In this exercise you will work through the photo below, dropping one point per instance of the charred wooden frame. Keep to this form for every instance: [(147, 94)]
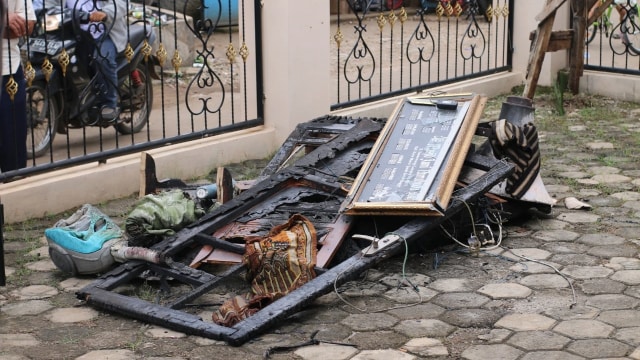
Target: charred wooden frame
[(319, 173)]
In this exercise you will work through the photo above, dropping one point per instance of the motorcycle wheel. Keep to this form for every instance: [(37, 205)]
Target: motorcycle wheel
[(42, 119), (136, 101)]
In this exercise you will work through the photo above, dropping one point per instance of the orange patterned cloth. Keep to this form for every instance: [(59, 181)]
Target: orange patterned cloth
[(276, 264)]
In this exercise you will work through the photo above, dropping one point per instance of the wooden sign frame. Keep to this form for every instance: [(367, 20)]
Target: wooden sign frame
[(415, 162)]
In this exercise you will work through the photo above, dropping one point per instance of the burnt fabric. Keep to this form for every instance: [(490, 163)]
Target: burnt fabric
[(520, 146), (277, 264)]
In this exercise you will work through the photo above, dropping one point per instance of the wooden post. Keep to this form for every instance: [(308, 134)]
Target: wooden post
[(538, 51), (3, 276), (576, 54)]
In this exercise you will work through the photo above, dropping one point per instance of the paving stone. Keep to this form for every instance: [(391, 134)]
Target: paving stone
[(18, 340), (629, 277), (590, 182), (625, 250), (13, 357), (556, 235), (493, 352), (425, 347), (424, 328), (628, 335), (603, 201), (548, 224), (560, 248), (505, 291), (629, 233), (535, 254), (598, 348), (420, 311), (525, 322), (470, 318), (602, 170), (326, 351), (162, 333), (115, 354), (538, 340), (396, 279), (578, 218), (600, 145), (384, 339), (73, 284), (460, 300), (613, 301), (611, 178), (588, 193), (544, 281), (406, 295), (601, 286), (29, 307), (633, 291), (551, 355), (573, 174), (369, 322), (620, 318), (531, 267), (577, 259), (453, 285), (9, 271), (555, 188), (586, 272), (611, 211), (624, 263), (383, 355), (41, 265), (633, 205), (584, 329), (495, 336), (72, 315), (202, 341), (572, 312), (601, 239), (34, 292), (364, 289), (43, 251)]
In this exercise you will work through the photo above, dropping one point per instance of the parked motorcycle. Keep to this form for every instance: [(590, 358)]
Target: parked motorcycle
[(62, 95)]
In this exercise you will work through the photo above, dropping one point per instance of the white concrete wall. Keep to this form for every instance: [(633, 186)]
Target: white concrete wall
[(296, 61), (524, 13), (296, 89)]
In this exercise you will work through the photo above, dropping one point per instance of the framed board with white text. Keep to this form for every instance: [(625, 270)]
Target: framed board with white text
[(415, 162)]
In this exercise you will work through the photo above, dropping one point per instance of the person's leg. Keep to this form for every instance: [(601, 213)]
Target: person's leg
[(13, 126), (105, 58)]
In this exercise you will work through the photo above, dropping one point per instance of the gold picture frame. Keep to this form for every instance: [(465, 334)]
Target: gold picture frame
[(413, 167)]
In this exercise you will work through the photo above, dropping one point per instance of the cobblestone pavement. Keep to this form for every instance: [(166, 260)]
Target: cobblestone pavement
[(565, 286)]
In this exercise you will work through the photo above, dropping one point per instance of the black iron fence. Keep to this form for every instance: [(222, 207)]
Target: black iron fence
[(396, 47), (612, 42), (189, 70)]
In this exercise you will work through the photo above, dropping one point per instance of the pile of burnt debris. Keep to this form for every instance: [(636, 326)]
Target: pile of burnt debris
[(342, 195)]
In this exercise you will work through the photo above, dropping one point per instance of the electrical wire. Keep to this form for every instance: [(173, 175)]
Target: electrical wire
[(404, 279), (573, 290)]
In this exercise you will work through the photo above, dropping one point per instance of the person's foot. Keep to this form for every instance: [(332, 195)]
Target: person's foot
[(109, 114)]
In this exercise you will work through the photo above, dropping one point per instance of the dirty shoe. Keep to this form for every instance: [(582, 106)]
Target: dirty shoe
[(109, 114)]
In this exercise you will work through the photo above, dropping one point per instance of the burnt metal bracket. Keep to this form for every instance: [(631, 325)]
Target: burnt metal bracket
[(377, 244)]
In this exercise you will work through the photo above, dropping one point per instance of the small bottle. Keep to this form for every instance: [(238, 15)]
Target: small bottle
[(207, 191)]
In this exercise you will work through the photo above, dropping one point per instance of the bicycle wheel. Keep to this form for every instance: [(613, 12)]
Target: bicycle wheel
[(631, 32), (590, 34)]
